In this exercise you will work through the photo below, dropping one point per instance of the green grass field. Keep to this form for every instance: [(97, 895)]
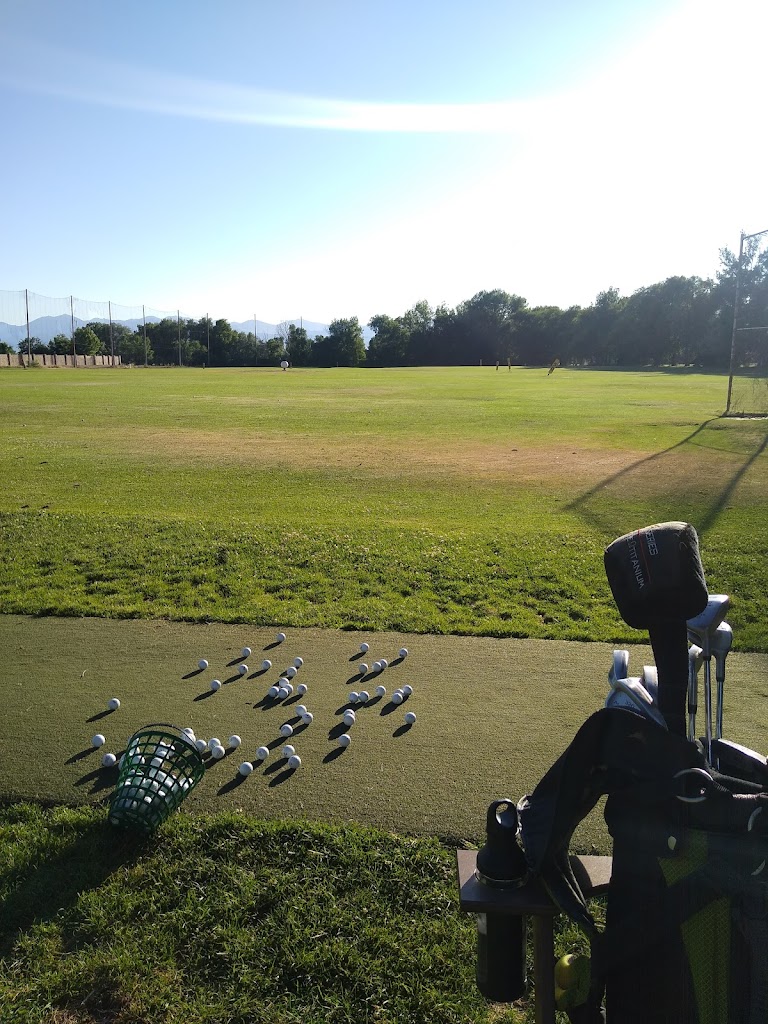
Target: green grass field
[(399, 506), (459, 500)]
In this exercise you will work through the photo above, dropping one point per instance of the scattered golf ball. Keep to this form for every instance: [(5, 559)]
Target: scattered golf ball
[(234, 741), (397, 697), (364, 648), (307, 718), (108, 760), (407, 690), (403, 652), (202, 663), (215, 684), (214, 741), (291, 672), (410, 717), (218, 752), (345, 739), (266, 664), (298, 662), (283, 692), (301, 709), (243, 670), (384, 663), (97, 740), (349, 718), (288, 750), (376, 666), (362, 668), (289, 688), (246, 652), (262, 753), (201, 745), (381, 691), (273, 691), (354, 696), (286, 730), (364, 697), (245, 768), (114, 704), (279, 638), (301, 689), (294, 761)]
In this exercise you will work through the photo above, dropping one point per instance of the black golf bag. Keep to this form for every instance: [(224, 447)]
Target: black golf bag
[(686, 936)]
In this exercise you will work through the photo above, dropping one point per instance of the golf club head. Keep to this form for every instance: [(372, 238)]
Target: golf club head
[(720, 644), (631, 695), (701, 627), (620, 667), (740, 762)]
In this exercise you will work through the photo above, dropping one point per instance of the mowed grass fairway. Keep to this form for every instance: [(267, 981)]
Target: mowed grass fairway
[(460, 500)]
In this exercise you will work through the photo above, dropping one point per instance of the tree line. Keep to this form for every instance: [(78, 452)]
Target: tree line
[(682, 320)]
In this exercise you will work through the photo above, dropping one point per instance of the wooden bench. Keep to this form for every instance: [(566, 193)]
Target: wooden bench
[(531, 900)]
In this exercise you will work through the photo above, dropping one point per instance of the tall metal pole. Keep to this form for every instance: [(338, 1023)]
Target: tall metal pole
[(111, 337), (72, 321), (178, 324), (29, 342), (208, 336), (734, 330), (144, 319)]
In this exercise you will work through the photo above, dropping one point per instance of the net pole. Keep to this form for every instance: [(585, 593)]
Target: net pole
[(178, 325), (733, 328), (111, 337), (144, 319), (72, 321), (29, 341), (208, 336)]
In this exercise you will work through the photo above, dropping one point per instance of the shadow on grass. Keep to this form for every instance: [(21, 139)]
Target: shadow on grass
[(277, 765), (195, 672), (388, 709), (257, 673), (357, 678), (333, 754), (336, 730), (99, 779), (273, 645), (53, 880), (101, 714), (80, 755), (401, 730), (205, 695), (284, 775), (233, 783)]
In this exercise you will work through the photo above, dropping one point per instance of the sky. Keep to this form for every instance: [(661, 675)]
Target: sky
[(332, 158)]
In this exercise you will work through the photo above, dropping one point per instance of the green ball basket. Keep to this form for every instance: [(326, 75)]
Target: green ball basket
[(159, 769)]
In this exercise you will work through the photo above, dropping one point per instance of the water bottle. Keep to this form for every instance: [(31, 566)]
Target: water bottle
[(501, 938)]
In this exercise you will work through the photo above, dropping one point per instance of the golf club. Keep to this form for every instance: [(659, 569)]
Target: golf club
[(695, 660), (721, 645), (701, 630)]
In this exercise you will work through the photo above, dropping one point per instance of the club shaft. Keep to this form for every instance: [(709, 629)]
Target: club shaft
[(708, 708)]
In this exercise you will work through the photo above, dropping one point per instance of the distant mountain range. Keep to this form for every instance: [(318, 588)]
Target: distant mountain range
[(47, 327)]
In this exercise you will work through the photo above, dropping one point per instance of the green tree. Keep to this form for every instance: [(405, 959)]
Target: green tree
[(489, 322), (346, 342), (390, 343), (60, 345), (298, 347), (6, 348), (87, 343)]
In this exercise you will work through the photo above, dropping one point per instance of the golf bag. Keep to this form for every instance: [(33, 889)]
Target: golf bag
[(686, 935)]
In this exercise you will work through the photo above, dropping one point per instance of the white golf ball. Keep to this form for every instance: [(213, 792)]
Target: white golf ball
[(294, 761), (108, 760), (301, 689), (301, 709), (97, 740), (381, 691), (364, 697), (266, 664), (410, 717), (121, 762), (291, 672), (307, 718), (157, 762), (215, 684), (349, 718), (384, 663), (243, 670), (214, 741), (262, 753), (201, 745), (218, 752), (298, 662), (245, 768), (362, 668), (289, 688), (403, 652), (286, 730), (407, 690), (397, 697), (283, 692), (345, 739), (246, 652), (234, 741), (279, 638), (189, 733), (273, 691), (288, 750), (376, 666), (202, 663), (114, 704), (364, 648), (354, 696)]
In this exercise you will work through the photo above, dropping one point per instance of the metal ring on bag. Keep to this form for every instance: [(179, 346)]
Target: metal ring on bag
[(693, 771), (750, 823)]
